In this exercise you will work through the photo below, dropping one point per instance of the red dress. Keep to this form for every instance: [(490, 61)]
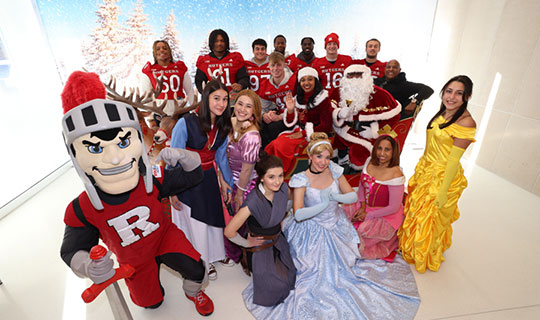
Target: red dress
[(320, 118)]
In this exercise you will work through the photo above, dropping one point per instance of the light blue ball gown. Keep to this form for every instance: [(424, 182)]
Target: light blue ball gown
[(332, 280)]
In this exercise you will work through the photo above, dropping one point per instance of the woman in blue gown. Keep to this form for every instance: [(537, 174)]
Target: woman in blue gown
[(332, 281)]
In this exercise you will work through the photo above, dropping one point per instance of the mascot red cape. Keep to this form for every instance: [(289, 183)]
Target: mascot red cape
[(362, 110), (121, 204)]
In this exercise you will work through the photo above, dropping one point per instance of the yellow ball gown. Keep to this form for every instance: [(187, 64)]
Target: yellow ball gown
[(426, 231)]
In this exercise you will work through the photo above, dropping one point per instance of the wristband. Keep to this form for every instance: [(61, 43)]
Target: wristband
[(240, 188)]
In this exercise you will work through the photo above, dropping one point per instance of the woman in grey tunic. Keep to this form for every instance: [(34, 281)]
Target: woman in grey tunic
[(265, 207)]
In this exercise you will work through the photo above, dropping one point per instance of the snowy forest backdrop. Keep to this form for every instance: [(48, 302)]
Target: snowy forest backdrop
[(114, 37)]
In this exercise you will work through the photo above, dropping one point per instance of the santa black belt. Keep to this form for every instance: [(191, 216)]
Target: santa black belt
[(357, 125)]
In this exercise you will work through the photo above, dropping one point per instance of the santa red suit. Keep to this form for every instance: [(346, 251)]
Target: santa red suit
[(377, 67), (176, 81), (357, 123), (257, 73), (331, 73)]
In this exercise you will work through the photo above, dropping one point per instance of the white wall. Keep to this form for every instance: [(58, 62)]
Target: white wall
[(480, 38), (30, 129)]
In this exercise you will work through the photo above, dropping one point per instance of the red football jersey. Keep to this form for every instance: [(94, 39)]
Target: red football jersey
[(257, 74), (330, 73), (377, 68), (173, 77), (296, 64), (277, 95), (230, 64)]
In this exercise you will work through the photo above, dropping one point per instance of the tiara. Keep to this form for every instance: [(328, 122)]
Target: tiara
[(387, 131)]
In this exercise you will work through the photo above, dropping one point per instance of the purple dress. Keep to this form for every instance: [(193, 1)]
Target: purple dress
[(245, 150)]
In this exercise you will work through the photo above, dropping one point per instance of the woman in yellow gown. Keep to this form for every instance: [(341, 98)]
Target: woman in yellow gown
[(438, 180)]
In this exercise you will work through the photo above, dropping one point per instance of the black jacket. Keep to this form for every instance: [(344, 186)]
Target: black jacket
[(402, 90)]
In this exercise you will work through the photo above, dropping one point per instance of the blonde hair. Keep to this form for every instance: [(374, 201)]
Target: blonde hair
[(276, 57), (319, 137)]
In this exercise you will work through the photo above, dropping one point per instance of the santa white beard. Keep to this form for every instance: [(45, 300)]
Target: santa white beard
[(358, 90)]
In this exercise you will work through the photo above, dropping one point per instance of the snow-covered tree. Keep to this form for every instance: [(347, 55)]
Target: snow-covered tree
[(171, 36), (101, 53), (356, 51), (136, 46), (233, 45)]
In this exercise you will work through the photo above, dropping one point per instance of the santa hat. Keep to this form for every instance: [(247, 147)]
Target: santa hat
[(307, 71), (357, 68), (331, 38), (86, 110)]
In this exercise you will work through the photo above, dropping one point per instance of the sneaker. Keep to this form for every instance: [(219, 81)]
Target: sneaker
[(203, 304), (212, 273), (228, 262)]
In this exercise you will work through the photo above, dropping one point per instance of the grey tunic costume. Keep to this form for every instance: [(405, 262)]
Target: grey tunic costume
[(274, 273)]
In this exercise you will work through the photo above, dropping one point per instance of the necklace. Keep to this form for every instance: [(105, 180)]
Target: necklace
[(314, 172)]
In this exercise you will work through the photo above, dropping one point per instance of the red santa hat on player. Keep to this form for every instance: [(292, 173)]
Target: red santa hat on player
[(333, 37), (86, 110)]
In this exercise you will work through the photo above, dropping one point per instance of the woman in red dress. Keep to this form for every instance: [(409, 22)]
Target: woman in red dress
[(310, 111)]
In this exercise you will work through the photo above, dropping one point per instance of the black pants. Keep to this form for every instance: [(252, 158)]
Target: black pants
[(270, 131), (185, 265)]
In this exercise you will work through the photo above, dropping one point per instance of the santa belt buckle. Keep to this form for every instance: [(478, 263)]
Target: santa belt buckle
[(357, 125)]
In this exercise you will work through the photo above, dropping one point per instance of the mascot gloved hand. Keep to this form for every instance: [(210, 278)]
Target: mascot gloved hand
[(98, 271), (189, 160)]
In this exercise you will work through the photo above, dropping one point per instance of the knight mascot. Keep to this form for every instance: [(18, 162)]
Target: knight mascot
[(121, 202), (362, 110)]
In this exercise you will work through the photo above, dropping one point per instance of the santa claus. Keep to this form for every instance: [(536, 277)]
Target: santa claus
[(362, 110)]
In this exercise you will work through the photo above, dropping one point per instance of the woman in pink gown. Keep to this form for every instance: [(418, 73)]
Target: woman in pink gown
[(378, 214)]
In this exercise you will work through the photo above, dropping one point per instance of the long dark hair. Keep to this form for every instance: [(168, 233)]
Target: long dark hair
[(468, 84), (394, 161), (213, 37), (223, 122), (300, 94)]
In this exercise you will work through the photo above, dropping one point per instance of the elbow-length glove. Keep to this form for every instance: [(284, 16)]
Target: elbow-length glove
[(450, 171), (347, 198), (309, 212)]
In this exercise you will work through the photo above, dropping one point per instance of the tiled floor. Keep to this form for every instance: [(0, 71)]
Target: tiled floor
[(489, 271)]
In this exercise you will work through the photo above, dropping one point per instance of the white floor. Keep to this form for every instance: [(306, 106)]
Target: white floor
[(489, 271)]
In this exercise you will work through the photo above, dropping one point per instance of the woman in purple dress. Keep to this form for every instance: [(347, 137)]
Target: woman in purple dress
[(243, 153)]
